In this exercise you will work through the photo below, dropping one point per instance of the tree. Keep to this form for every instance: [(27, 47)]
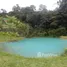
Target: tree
[(62, 5), (3, 12), (42, 8), (62, 11), (33, 7), (16, 8)]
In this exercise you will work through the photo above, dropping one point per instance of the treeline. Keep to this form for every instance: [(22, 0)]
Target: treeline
[(27, 21)]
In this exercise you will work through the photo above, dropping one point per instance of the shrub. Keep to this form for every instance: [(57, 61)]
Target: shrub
[(12, 24), (65, 52)]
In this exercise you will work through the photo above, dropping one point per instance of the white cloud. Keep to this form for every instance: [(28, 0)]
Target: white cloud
[(8, 4)]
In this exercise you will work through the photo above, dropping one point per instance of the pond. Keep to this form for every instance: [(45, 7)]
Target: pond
[(37, 47)]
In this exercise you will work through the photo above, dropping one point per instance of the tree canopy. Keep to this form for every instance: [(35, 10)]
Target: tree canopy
[(29, 21)]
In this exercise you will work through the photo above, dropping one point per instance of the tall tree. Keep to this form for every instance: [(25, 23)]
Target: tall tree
[(33, 7), (42, 8), (16, 8), (63, 5)]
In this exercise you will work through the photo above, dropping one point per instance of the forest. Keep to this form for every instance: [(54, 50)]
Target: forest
[(29, 22)]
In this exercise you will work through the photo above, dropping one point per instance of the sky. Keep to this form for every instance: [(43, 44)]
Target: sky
[(8, 4)]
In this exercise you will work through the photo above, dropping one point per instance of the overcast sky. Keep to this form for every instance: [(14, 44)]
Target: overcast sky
[(8, 4)]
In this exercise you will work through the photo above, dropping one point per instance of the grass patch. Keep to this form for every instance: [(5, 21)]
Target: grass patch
[(8, 60)]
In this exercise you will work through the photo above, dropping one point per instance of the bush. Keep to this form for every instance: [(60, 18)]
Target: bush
[(9, 34), (12, 24), (65, 52)]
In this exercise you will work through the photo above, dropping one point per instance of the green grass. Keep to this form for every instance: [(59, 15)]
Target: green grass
[(8, 60)]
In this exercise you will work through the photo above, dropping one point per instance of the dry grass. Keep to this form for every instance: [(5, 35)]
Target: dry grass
[(63, 37)]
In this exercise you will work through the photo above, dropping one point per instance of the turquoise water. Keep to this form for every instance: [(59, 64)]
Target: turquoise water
[(37, 47)]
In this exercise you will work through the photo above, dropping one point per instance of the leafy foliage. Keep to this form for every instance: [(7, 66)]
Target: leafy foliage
[(27, 21), (12, 24)]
